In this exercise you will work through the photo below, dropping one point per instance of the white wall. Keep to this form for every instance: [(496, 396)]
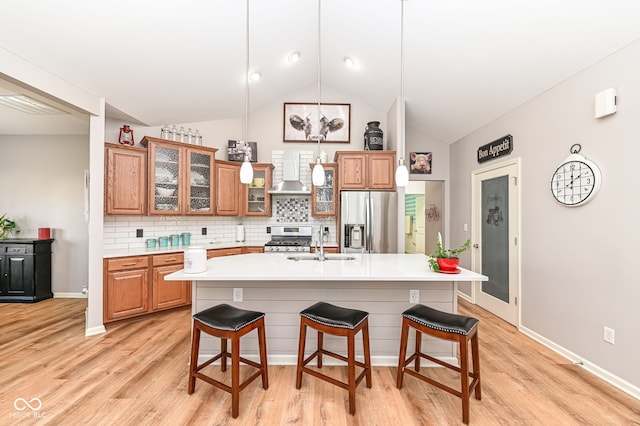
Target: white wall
[(266, 126), (570, 289), (41, 185)]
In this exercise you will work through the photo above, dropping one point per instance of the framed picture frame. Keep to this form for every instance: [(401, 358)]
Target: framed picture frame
[(237, 149), (300, 122), (420, 163)]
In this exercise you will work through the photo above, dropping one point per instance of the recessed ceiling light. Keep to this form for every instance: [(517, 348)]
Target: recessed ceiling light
[(294, 57), (349, 62), (29, 105), (255, 76)]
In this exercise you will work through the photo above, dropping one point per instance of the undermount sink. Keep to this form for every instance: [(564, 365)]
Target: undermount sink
[(314, 257)]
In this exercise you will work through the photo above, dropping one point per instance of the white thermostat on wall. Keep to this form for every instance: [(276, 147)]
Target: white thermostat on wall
[(606, 103)]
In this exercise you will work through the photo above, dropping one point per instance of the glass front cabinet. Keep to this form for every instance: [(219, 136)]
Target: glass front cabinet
[(324, 198), (257, 200), (181, 178)]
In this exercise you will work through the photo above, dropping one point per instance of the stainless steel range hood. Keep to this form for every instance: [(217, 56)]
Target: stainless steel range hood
[(290, 184)]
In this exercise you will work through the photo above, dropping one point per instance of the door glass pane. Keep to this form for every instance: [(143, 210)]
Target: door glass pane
[(257, 192), (200, 182), (167, 173), (495, 237)]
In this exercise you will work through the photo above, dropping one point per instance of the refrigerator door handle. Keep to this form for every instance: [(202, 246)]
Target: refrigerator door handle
[(367, 225)]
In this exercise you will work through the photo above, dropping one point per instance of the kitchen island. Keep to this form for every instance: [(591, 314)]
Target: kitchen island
[(377, 283)]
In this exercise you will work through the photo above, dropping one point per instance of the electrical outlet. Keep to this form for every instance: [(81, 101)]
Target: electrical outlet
[(609, 335), (204, 231), (139, 233), (237, 294), (414, 296)]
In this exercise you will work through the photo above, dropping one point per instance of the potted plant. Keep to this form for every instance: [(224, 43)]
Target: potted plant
[(446, 260), (7, 227)]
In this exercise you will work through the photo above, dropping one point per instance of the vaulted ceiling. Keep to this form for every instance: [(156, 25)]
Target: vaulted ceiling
[(466, 62)]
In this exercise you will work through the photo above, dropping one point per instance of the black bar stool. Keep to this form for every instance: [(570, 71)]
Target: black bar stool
[(443, 325), (227, 322), (327, 318)]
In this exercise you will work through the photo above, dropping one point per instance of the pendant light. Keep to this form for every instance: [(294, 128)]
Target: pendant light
[(317, 176), (402, 174), (246, 170)]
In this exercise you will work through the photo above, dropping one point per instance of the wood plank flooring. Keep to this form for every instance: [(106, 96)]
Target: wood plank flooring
[(136, 374)]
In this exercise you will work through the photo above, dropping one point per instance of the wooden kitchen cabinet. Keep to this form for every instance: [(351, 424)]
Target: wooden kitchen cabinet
[(366, 170), (125, 180), (126, 287), (324, 199), (135, 285), (256, 197), (168, 294), (228, 192), (254, 249), (180, 177)]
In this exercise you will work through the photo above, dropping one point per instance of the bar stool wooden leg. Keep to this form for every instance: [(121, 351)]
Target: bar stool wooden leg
[(262, 338), (193, 364), (223, 351), (301, 343), (464, 376), (351, 371), (367, 352), (320, 347), (235, 376), (475, 355), (403, 352), (418, 349)]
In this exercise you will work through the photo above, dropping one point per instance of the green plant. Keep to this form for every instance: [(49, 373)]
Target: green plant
[(7, 227), (443, 253)]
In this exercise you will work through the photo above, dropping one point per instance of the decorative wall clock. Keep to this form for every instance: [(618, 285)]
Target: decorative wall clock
[(577, 180)]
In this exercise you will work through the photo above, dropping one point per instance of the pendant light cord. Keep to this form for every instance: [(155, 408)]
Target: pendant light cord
[(402, 112), (246, 87), (319, 73)]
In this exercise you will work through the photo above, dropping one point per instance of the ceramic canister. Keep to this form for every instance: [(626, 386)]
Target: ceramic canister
[(195, 260), (186, 238), (174, 239), (163, 241)]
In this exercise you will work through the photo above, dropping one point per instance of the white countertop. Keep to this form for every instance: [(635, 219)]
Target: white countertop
[(141, 251), (366, 267)]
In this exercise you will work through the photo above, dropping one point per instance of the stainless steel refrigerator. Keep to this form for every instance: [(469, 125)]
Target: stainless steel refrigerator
[(369, 222)]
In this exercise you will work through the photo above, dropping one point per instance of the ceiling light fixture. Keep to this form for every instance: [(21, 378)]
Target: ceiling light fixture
[(246, 170), (317, 176), (294, 57), (29, 105), (402, 174), (255, 76), (349, 62)]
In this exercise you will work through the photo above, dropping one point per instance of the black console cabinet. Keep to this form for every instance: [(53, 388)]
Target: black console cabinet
[(25, 270)]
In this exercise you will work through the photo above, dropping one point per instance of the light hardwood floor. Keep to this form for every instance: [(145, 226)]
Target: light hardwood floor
[(136, 374)]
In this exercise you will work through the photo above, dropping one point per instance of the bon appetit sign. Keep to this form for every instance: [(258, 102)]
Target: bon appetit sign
[(495, 149)]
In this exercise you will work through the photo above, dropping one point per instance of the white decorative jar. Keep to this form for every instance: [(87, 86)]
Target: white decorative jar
[(195, 260)]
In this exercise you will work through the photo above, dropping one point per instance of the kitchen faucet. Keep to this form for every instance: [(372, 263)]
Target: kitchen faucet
[(319, 250)]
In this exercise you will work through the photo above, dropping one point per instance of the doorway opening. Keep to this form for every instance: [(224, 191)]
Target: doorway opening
[(424, 215)]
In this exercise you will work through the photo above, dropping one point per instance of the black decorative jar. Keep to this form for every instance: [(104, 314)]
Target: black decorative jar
[(373, 136)]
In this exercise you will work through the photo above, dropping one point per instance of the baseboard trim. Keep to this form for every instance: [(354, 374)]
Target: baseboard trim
[(94, 331), (59, 295), (465, 296), (605, 375)]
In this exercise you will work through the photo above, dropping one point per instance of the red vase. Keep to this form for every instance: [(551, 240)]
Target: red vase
[(448, 264)]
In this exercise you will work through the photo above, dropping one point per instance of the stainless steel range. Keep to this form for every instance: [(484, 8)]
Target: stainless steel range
[(289, 238)]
